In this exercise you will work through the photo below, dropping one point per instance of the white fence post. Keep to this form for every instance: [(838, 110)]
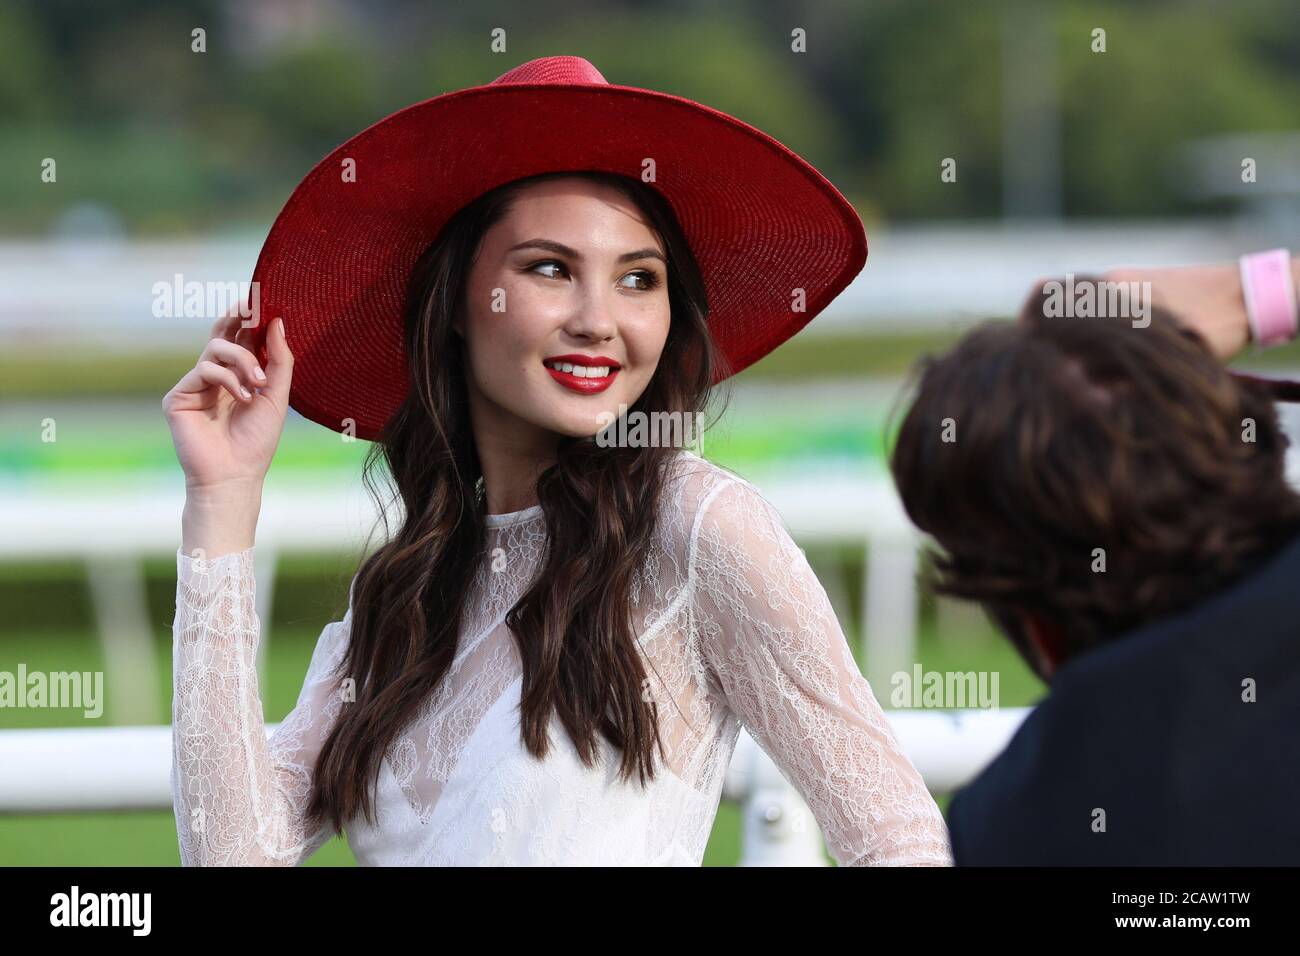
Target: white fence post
[(126, 635), (889, 594)]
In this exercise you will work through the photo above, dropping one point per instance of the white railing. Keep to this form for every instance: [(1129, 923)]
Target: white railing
[(85, 770), (987, 268), (90, 769)]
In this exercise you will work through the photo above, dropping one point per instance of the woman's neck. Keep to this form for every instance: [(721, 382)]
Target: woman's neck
[(510, 473)]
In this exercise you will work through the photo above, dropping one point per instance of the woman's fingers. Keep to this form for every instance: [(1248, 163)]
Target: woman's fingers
[(279, 366), (230, 353), (244, 371), (208, 373)]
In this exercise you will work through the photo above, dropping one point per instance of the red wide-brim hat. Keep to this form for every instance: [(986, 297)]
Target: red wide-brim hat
[(761, 222)]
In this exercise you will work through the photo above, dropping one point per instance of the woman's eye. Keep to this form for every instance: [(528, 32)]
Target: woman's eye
[(649, 278), (548, 262)]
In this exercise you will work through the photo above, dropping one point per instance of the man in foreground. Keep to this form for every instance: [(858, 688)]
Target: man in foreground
[(1117, 503)]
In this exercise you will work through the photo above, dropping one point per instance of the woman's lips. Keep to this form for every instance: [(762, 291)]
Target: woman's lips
[(586, 386)]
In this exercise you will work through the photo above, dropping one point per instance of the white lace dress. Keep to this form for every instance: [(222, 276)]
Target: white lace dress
[(735, 627)]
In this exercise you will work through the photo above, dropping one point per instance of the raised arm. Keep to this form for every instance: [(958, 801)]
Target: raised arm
[(1208, 298), (239, 799), (768, 635)]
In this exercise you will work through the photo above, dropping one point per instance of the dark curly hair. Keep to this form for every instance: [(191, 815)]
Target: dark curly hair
[(1032, 444)]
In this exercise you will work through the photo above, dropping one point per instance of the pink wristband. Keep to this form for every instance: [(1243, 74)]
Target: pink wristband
[(1270, 296)]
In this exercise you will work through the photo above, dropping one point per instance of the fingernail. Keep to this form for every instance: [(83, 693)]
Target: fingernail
[(245, 392), (259, 374)]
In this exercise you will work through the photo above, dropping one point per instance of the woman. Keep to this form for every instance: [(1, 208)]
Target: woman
[(631, 603)]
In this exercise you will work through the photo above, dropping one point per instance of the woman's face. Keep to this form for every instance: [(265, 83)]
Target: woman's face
[(571, 274)]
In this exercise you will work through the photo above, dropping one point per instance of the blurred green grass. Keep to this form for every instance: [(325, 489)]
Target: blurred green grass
[(69, 373), (78, 374)]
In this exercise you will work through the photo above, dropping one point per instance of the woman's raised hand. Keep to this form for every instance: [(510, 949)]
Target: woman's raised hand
[(226, 420)]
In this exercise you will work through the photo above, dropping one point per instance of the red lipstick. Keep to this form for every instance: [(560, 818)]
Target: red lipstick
[(583, 384)]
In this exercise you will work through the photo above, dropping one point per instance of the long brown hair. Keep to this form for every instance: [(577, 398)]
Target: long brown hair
[(1030, 445), (573, 625)]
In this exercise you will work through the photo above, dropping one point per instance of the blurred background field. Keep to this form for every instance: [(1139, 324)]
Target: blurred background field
[(174, 161)]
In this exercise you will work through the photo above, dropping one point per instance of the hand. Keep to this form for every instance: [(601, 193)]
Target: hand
[(1208, 299), (224, 440)]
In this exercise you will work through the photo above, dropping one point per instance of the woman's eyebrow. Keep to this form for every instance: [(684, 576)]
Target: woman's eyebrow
[(561, 249)]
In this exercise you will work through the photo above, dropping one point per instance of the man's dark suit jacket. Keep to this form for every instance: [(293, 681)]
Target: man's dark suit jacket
[(1153, 730)]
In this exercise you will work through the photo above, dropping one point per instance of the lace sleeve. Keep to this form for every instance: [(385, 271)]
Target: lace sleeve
[(239, 798), (771, 643)]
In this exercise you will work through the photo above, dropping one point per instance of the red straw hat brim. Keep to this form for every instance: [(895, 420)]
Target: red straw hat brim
[(760, 220)]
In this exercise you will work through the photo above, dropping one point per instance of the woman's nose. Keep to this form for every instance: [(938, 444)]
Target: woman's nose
[(593, 317)]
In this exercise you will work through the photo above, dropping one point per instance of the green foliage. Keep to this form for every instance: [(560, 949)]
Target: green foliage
[(175, 140), (1165, 78)]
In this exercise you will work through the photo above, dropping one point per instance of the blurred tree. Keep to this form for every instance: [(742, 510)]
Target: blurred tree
[(313, 97), (886, 91), (1170, 73), (934, 71), (28, 88)]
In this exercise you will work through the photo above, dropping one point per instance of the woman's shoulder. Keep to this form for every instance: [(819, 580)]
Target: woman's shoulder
[(701, 495), (692, 481)]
